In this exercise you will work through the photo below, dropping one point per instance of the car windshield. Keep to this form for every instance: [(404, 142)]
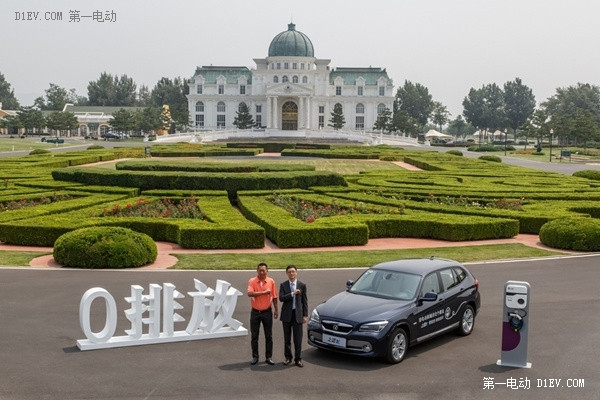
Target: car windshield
[(390, 284)]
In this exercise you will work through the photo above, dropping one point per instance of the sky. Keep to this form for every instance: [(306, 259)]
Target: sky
[(448, 46)]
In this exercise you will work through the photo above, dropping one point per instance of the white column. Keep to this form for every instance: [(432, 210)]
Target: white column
[(275, 113), (307, 103)]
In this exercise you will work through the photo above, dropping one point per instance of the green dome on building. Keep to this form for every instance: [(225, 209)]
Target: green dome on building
[(291, 43)]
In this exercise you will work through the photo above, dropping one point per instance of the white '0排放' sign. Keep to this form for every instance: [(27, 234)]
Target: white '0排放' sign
[(212, 316)]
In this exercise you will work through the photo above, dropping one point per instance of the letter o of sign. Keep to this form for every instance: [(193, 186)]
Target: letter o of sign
[(111, 315)]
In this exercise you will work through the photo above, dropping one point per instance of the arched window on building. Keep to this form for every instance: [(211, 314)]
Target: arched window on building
[(381, 108), (360, 118), (305, 79), (294, 79), (199, 106), (284, 79), (220, 114), (241, 106), (275, 79)]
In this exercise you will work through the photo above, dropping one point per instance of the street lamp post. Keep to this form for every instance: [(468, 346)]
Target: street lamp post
[(551, 132), (505, 136)]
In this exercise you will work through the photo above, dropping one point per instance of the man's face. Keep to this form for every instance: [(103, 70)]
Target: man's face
[(291, 273), (262, 272)]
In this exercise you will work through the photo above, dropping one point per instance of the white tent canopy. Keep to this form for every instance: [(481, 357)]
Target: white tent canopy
[(433, 134)]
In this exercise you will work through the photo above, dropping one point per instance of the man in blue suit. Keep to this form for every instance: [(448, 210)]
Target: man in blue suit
[(294, 313)]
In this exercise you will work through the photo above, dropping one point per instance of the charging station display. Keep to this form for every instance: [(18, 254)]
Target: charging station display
[(515, 324)]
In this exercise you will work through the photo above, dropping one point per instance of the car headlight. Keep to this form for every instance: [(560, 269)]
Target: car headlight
[(314, 316), (377, 326)]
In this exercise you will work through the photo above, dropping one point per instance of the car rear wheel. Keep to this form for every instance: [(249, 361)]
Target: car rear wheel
[(467, 321), (397, 346)]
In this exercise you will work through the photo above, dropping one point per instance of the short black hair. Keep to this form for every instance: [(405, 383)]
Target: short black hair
[(261, 264), (290, 267)]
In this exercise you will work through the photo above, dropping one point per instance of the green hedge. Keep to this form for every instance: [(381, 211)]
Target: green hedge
[(579, 234), (199, 181), (104, 247), (287, 231), (227, 227), (589, 174), (209, 167)]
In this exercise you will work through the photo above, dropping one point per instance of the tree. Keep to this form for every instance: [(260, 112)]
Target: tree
[(337, 120), (585, 127), (11, 123), (484, 108), (415, 99), (7, 95), (568, 105), (31, 119), (144, 98), (384, 121), (402, 122), (149, 119), (57, 97), (243, 119), (126, 91), (459, 128), (173, 93), (536, 125), (519, 104), (61, 121), (440, 114), (112, 91), (122, 120)]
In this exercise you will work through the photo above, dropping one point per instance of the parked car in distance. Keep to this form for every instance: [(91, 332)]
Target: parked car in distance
[(52, 140), (395, 305), (110, 135)]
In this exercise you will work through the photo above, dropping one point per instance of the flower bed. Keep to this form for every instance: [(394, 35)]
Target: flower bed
[(163, 208), (309, 211)]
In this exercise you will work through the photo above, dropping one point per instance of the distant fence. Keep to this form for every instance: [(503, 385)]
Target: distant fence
[(371, 138)]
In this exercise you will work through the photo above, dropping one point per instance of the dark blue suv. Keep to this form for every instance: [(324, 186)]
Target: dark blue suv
[(394, 305)]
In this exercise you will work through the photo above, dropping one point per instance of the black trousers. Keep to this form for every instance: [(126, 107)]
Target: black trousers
[(266, 318), (293, 328)]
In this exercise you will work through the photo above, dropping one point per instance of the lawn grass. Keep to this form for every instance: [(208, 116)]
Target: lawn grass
[(18, 258), (354, 259), (321, 259)]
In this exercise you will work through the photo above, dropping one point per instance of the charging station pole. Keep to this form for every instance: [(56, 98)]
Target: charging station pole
[(515, 325)]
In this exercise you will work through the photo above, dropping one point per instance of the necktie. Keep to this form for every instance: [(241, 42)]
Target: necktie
[(292, 288)]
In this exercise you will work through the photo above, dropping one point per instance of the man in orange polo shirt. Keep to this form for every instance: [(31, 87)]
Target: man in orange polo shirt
[(263, 300)]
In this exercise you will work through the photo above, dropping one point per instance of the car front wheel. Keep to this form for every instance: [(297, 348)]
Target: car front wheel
[(467, 321), (397, 346)]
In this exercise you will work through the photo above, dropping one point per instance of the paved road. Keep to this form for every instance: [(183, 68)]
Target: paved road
[(39, 329)]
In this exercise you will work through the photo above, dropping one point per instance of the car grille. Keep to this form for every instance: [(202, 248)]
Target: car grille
[(337, 327)]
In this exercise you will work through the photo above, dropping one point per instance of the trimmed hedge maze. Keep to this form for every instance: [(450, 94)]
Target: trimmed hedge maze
[(291, 203)]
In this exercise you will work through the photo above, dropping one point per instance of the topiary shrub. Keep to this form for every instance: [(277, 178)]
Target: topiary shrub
[(104, 247), (589, 174), (455, 152), (39, 151), (491, 158), (95, 147), (575, 233)]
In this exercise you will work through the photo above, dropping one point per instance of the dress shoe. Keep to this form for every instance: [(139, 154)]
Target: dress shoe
[(287, 362), (269, 361), (299, 363), (254, 361)]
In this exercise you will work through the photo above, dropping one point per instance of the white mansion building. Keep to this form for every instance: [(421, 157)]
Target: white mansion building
[(289, 90)]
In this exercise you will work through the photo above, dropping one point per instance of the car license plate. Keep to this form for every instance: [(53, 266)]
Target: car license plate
[(334, 340)]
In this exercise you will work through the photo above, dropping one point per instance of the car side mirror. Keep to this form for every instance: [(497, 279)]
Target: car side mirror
[(429, 296), (349, 284)]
